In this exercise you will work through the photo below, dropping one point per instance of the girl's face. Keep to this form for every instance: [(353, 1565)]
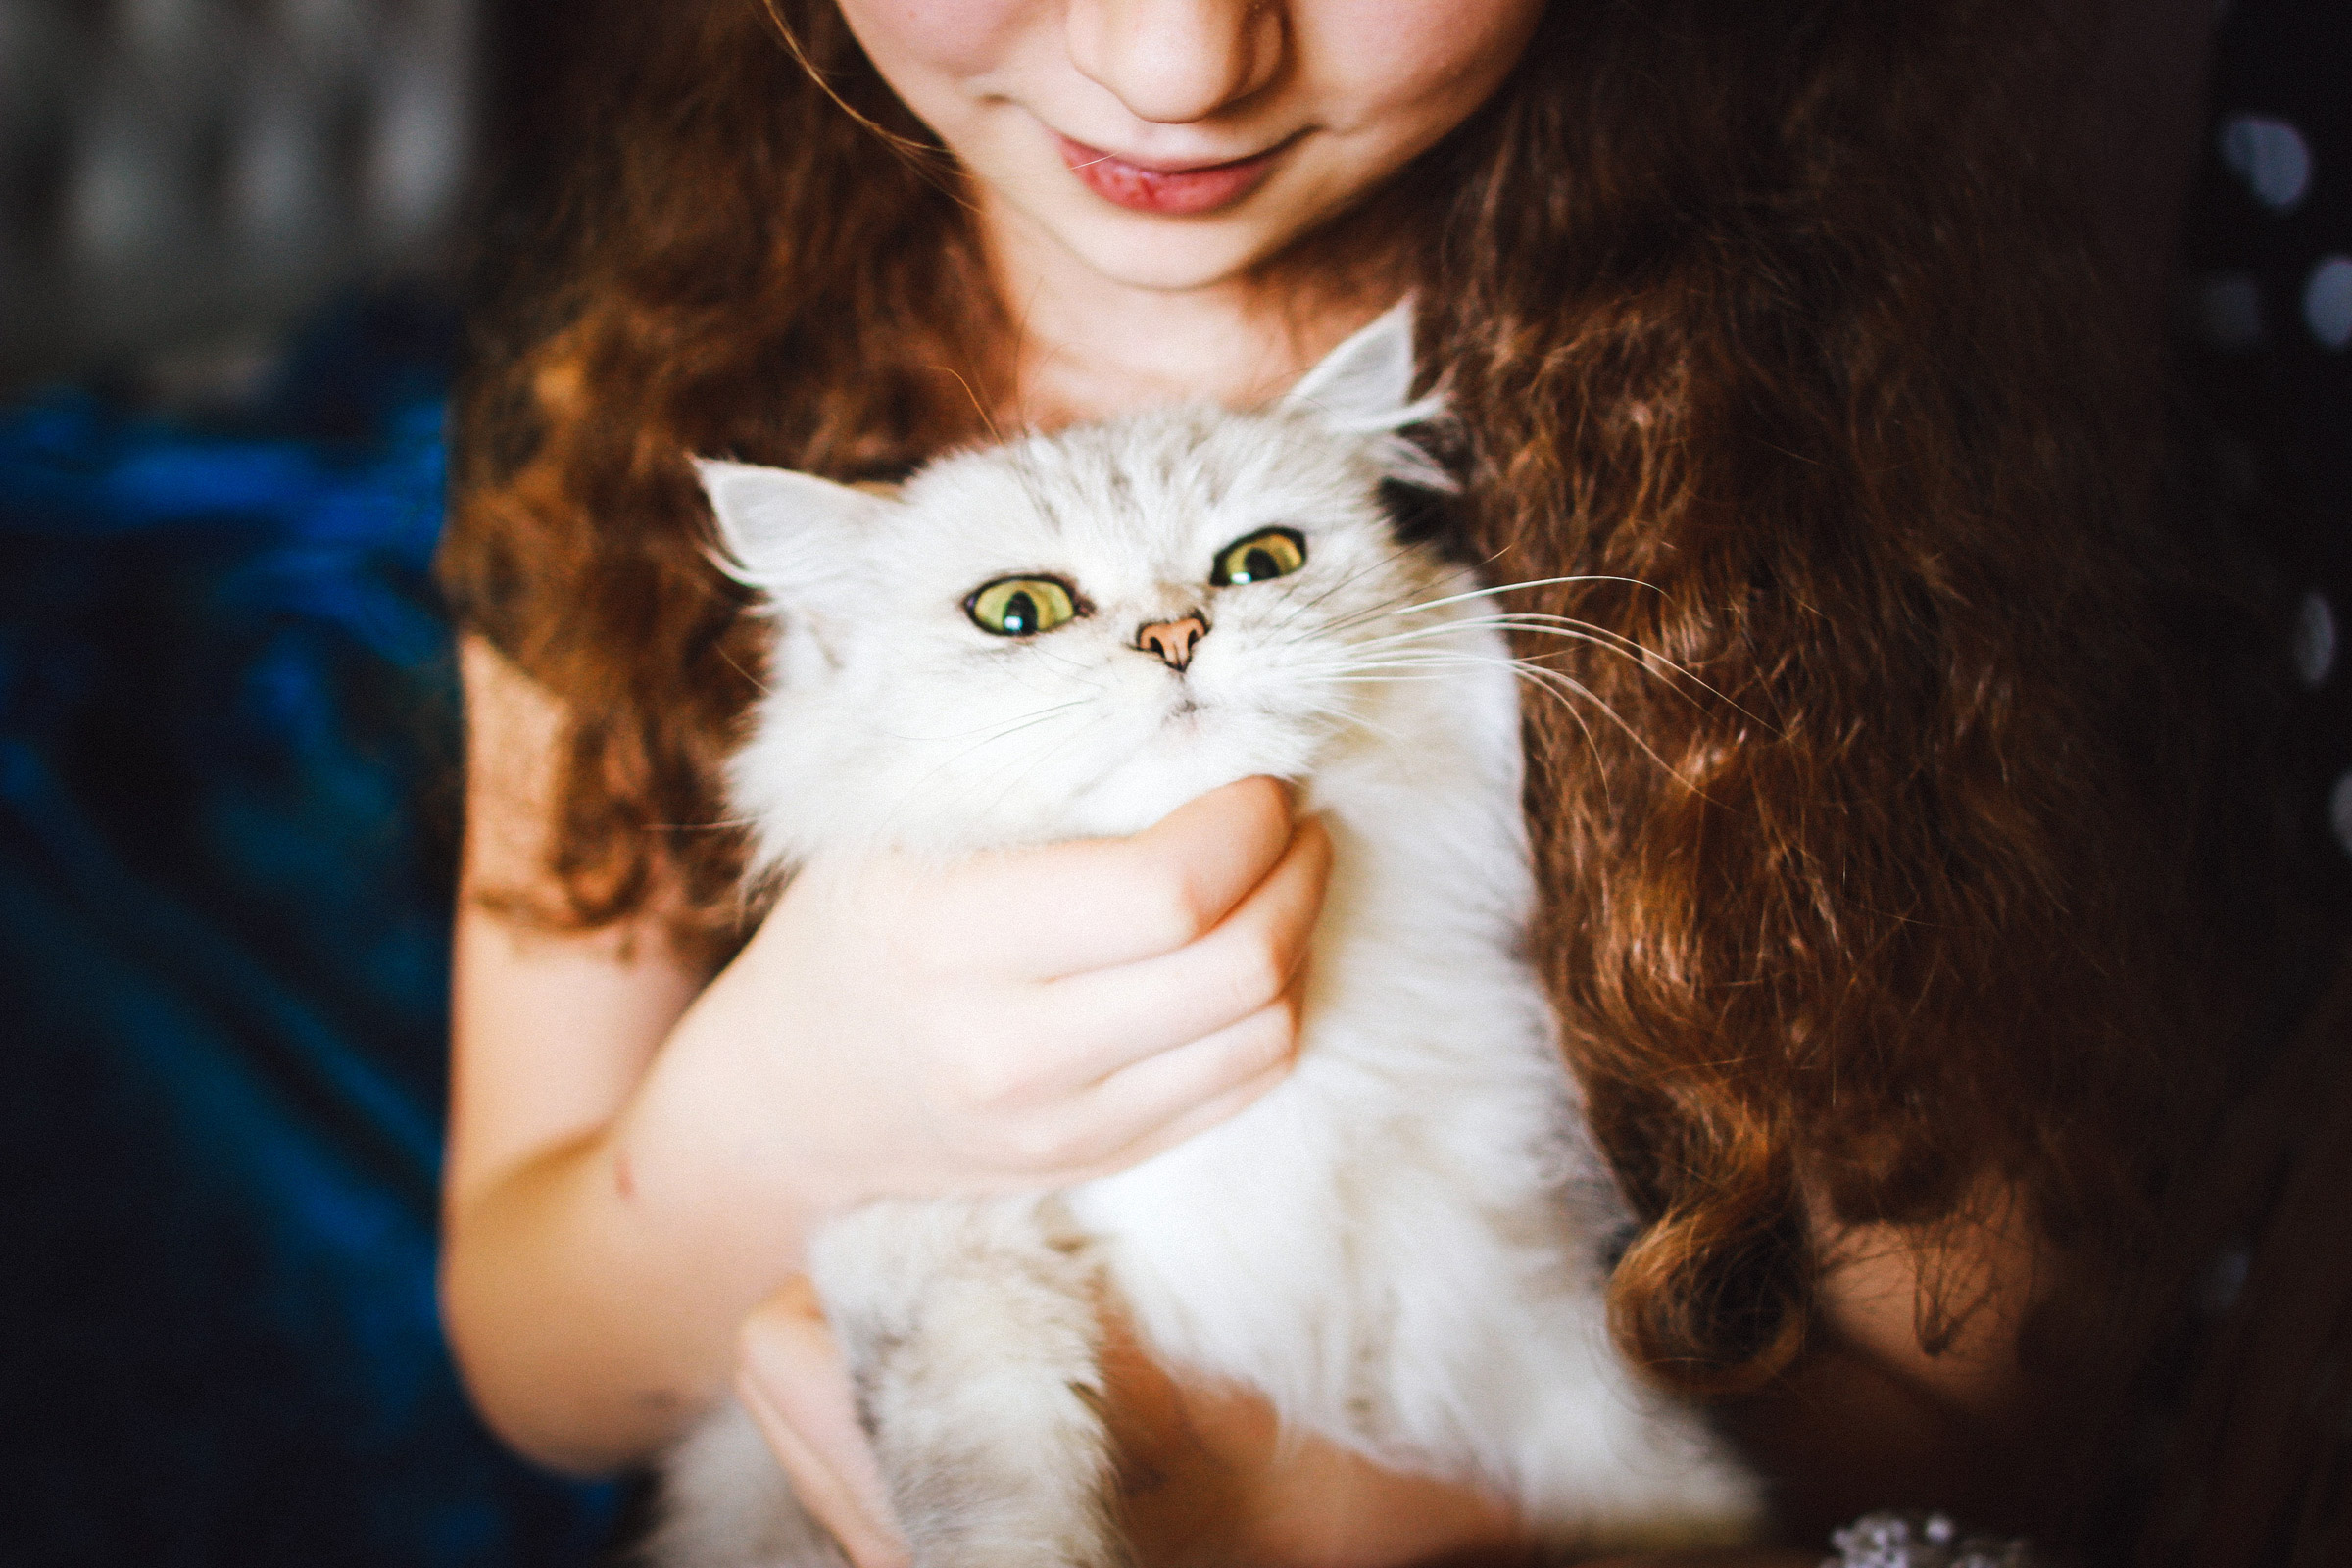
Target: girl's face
[(1172, 144)]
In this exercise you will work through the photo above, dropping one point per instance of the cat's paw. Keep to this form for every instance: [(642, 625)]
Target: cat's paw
[(724, 1503)]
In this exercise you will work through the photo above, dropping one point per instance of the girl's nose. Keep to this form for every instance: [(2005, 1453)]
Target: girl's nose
[(1174, 61)]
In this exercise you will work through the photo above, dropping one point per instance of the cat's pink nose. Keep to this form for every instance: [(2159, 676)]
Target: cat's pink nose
[(1172, 640)]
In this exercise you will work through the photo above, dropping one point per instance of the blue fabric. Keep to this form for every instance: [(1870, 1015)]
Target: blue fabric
[(228, 818)]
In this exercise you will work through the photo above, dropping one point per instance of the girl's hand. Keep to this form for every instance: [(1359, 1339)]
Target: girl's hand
[(1024, 1020), (797, 1388)]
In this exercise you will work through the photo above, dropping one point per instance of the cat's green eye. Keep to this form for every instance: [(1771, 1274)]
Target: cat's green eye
[(1254, 558), (1021, 607)]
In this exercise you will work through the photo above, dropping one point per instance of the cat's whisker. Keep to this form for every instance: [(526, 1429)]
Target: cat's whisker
[(1585, 632), (1393, 605), (1301, 606), (1078, 670), (1434, 665), (1005, 730), (1562, 687), (1398, 604), (1017, 720), (1039, 760), (1013, 727), (1484, 592), (1361, 653), (1560, 625), (987, 420), (1032, 481), (759, 684), (1382, 670), (917, 788), (1440, 667), (1018, 457), (1595, 636), (1649, 658), (1349, 717), (1600, 761), (1507, 620), (1534, 582)]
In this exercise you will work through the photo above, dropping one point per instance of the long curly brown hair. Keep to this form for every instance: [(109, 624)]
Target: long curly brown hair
[(1863, 888)]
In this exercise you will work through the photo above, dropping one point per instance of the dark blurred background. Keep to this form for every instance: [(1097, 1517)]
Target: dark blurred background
[(233, 235), (231, 239)]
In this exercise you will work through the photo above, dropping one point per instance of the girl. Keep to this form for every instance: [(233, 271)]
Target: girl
[(1868, 961)]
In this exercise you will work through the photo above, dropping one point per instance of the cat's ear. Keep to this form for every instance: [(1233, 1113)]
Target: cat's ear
[(781, 532), (1365, 385)]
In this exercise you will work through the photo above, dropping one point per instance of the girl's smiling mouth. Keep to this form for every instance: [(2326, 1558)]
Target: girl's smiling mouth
[(1181, 190)]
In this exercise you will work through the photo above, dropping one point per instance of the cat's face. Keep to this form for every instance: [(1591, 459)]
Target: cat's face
[(1075, 633)]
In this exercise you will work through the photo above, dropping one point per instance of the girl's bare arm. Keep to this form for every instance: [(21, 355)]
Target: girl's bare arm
[(547, 1266)]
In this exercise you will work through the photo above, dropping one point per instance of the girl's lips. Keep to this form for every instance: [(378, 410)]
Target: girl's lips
[(1203, 188)]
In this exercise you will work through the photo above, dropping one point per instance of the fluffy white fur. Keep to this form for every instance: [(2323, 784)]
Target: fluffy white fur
[(1400, 1246)]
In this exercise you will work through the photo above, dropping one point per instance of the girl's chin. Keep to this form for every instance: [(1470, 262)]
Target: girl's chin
[(1173, 264), (1168, 253)]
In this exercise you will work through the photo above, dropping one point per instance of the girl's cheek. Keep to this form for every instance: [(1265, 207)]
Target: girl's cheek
[(941, 38), (1376, 58)]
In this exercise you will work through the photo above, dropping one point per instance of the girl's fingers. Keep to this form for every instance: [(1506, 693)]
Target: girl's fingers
[(1159, 1102), (1222, 1106), (793, 1382), (1067, 908), (1126, 1016)]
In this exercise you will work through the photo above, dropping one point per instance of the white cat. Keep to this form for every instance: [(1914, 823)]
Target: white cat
[(1400, 1246)]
